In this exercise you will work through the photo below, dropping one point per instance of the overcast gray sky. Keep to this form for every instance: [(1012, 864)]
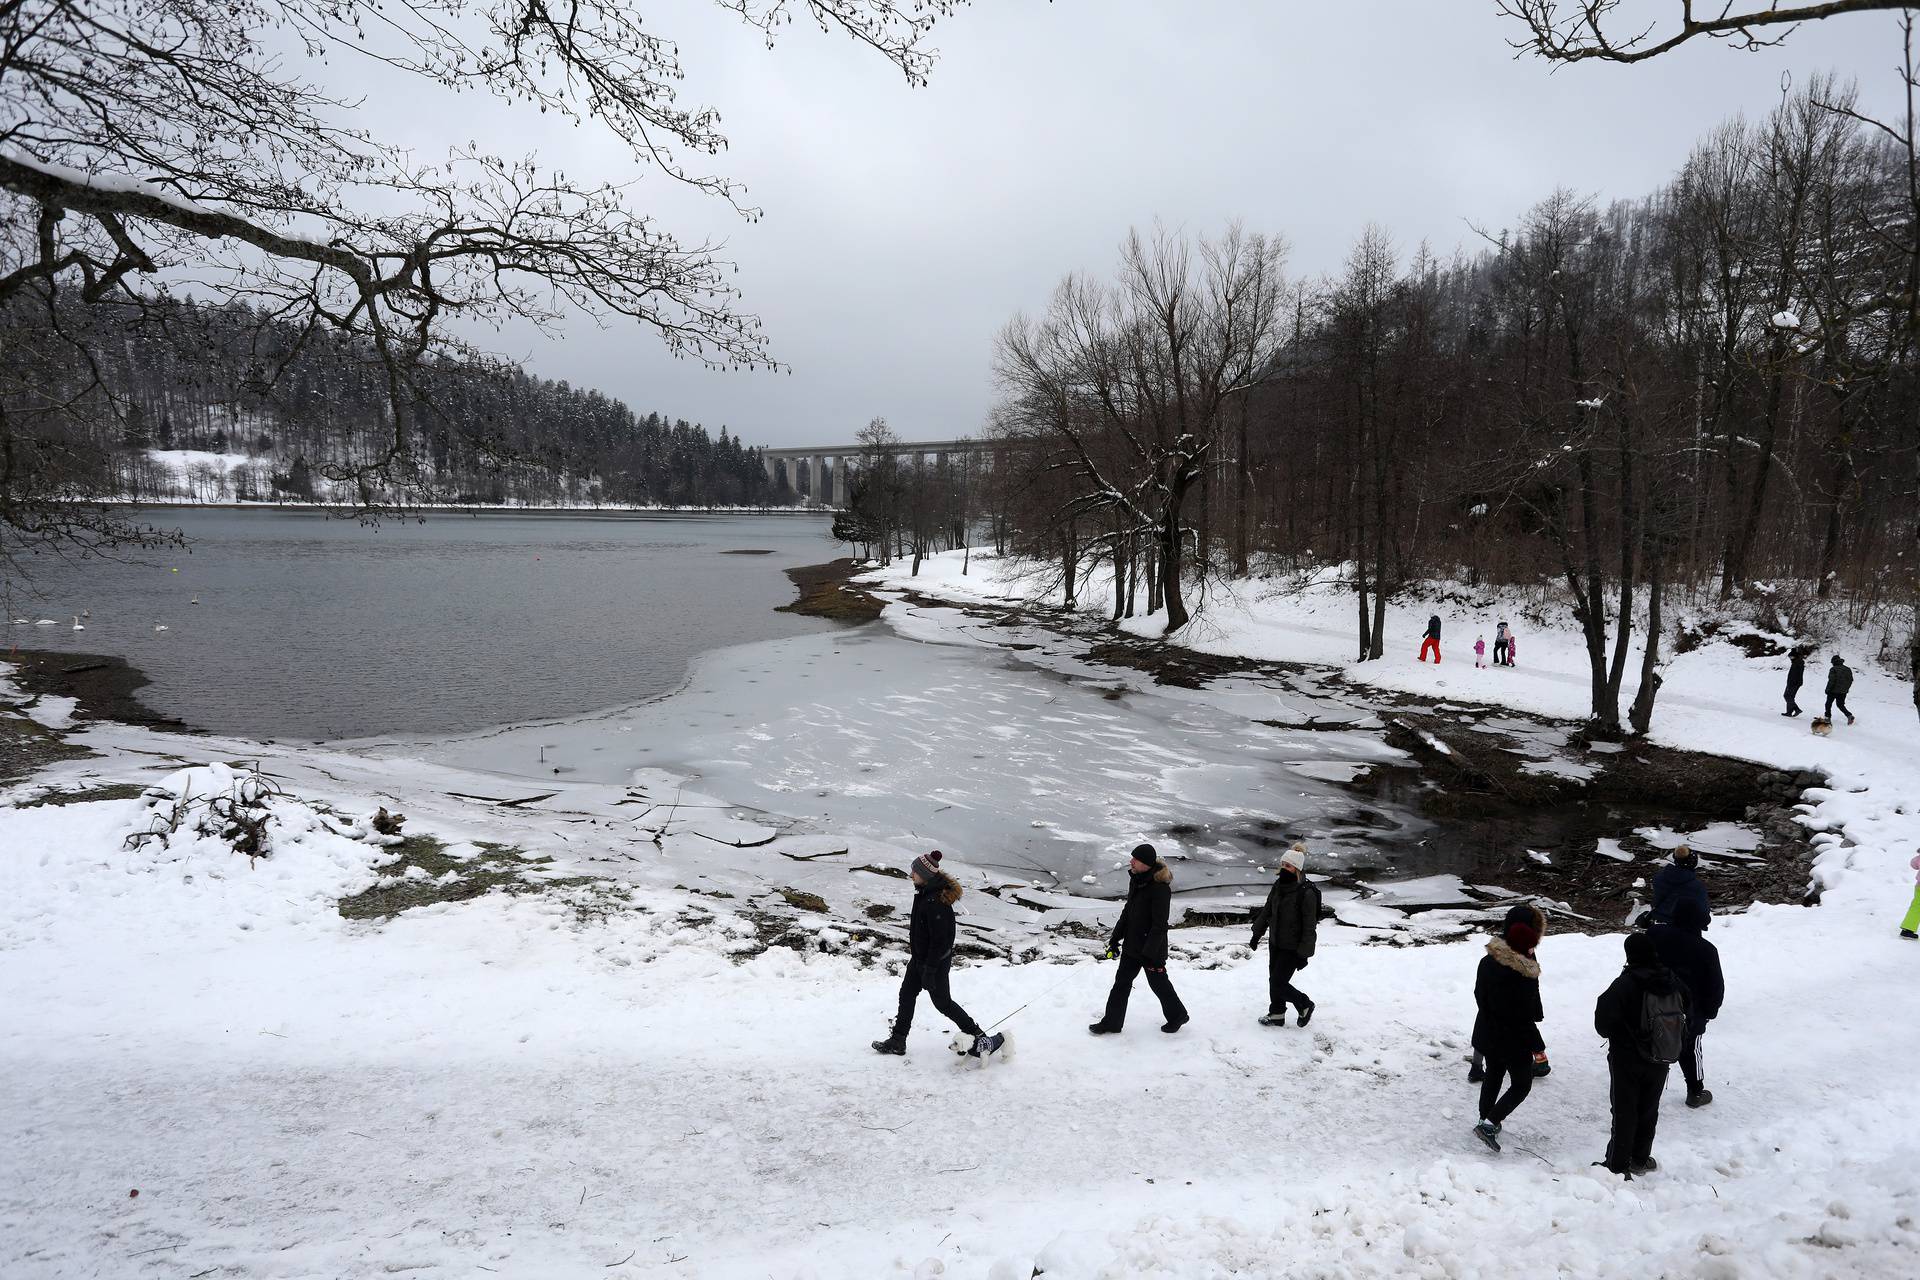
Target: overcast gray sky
[(903, 227)]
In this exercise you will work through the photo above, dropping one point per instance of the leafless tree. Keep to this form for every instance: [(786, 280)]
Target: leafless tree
[(1595, 29)]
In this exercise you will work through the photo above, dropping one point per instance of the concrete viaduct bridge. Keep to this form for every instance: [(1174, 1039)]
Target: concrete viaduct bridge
[(831, 467)]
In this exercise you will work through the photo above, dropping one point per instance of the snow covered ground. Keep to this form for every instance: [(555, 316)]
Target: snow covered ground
[(609, 1077)]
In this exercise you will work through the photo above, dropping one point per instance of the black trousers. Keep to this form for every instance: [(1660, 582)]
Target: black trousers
[(1691, 1068), (1838, 700), (1793, 699), (1281, 966), (1499, 653), (1518, 1070), (934, 983), (1635, 1094), (1170, 1006)]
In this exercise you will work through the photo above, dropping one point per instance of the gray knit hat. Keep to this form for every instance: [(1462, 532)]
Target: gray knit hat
[(927, 866)]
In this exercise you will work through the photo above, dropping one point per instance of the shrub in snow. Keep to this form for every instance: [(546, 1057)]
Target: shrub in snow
[(215, 800)]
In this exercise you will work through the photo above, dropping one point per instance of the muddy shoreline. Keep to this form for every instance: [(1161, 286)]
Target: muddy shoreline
[(828, 591), (1502, 818)]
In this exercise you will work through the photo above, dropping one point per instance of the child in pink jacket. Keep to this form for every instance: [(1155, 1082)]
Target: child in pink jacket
[(1513, 648), (1910, 926), (1480, 652)]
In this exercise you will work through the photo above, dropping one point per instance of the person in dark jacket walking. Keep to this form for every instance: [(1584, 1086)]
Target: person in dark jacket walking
[(1683, 948), (1635, 1063), (1679, 881), (1502, 641), (1290, 918), (1796, 676), (930, 936), (1839, 683), (1140, 940), (1432, 640), (1506, 1030)]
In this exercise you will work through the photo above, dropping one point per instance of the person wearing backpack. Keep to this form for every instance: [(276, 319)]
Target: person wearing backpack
[(1643, 1016), (1506, 1028), (1292, 912), (1683, 948), (1679, 881)]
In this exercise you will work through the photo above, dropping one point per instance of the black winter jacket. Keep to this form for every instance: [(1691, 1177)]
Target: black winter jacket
[(1507, 994), (1674, 884), (1292, 912), (1141, 931), (1796, 672), (1616, 1015), (931, 931), (1695, 961), (1839, 679), (1433, 626)]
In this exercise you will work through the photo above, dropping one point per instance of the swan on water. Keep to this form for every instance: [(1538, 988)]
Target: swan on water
[(77, 624), (159, 626)]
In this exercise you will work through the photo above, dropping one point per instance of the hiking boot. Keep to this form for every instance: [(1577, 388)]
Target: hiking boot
[(1171, 1027), (1306, 1012), (1851, 717), (1274, 1019), (1642, 1168), (1908, 933), (894, 1044), (1541, 1067), (1476, 1073), (1488, 1132), (1102, 1029), (1699, 1097)]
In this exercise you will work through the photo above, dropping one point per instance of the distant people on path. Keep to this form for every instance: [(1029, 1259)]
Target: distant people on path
[(1643, 1016), (1839, 681), (1290, 920), (1506, 1028), (1682, 946), (1796, 676), (1677, 881), (930, 937), (1910, 927), (1502, 638), (1479, 651), (1140, 940), (1432, 640)]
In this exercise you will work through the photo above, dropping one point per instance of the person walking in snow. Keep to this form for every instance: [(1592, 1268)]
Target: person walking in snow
[(1506, 1028), (1290, 919), (1682, 946), (1513, 647), (1501, 639), (1432, 640), (930, 937), (1910, 927), (1839, 682), (1479, 651), (1643, 1016), (1677, 881), (1140, 940), (1796, 676)]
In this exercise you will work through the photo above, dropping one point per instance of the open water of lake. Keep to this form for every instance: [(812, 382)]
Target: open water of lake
[(310, 628)]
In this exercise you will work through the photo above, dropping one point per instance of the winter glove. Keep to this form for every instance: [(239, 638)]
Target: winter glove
[(1110, 952), (1254, 945), (1302, 959)]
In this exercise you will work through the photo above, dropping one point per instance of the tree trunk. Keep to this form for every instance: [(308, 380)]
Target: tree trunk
[(1641, 715)]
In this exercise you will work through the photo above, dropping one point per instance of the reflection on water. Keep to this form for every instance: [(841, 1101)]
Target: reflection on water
[(313, 628)]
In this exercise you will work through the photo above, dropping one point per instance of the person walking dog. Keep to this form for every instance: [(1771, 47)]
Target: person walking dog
[(1290, 918), (930, 937), (1140, 940), (1839, 684)]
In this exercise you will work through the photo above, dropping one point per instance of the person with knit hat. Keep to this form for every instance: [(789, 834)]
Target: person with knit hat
[(1140, 940), (1680, 878), (1291, 915), (1683, 948), (1643, 1016), (930, 938), (1506, 1030)]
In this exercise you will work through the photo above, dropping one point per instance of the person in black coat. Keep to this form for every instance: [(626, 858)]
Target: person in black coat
[(1431, 640), (1839, 683), (1796, 676), (930, 937), (1637, 1079), (1140, 940), (1679, 881), (1292, 913), (1683, 948), (1506, 1028)]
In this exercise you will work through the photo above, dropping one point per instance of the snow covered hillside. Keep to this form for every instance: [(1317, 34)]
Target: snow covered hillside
[(594, 1064)]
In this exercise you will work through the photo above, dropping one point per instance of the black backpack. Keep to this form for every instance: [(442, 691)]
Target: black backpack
[(1663, 1024)]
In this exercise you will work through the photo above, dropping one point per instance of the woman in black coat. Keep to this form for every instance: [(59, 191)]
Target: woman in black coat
[(930, 935), (1140, 939), (1506, 1030)]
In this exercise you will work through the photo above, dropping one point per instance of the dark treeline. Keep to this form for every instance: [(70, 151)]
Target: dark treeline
[(1709, 390), (303, 404)]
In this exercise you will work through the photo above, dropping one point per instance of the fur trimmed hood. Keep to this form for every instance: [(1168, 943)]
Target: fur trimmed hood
[(1502, 953), (1163, 873), (947, 888)]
